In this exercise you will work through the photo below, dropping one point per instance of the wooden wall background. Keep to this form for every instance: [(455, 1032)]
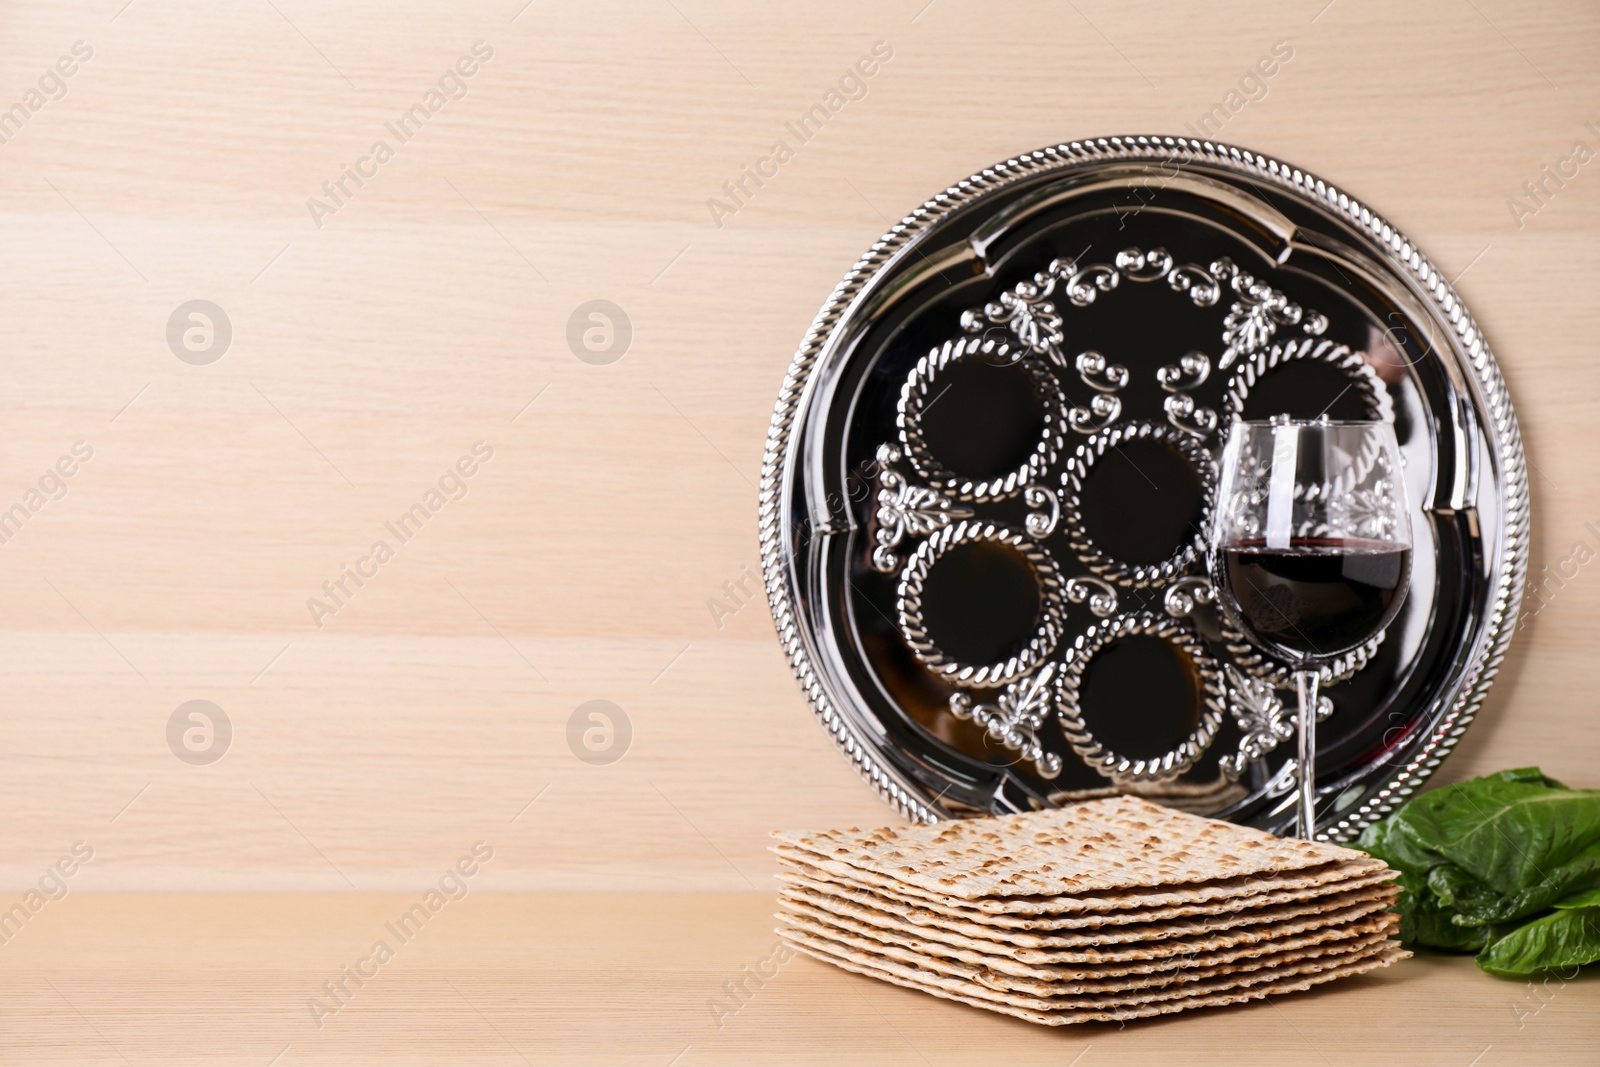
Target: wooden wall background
[(431, 310)]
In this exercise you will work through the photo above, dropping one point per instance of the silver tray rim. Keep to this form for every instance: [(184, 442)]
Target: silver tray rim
[(1509, 558)]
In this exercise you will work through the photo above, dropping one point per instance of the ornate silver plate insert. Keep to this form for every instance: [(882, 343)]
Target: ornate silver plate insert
[(992, 466)]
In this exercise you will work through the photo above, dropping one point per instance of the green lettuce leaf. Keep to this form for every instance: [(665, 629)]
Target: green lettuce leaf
[(1589, 898), (1499, 848), (1483, 862), (1569, 937), (1393, 841), (1425, 921)]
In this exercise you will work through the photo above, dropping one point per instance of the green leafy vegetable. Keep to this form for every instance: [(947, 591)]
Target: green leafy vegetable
[(1484, 862), (1587, 899), (1565, 938)]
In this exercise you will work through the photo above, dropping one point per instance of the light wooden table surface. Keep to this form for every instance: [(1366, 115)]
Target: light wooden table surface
[(644, 979), (379, 335)]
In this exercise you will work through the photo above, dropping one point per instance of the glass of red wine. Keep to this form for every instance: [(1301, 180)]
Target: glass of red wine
[(1310, 552)]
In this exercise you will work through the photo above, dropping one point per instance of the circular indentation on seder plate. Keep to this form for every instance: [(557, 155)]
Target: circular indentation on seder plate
[(1305, 379), (980, 605), (977, 424), (1135, 501), (1142, 696), (981, 602), (984, 419)]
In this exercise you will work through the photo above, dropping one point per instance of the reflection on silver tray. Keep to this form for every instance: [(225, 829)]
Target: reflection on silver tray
[(992, 465)]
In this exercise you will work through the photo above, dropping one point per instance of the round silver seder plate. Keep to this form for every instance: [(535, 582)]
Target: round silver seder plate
[(992, 464)]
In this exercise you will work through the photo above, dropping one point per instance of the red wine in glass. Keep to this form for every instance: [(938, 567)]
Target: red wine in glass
[(1316, 596), (1311, 552)]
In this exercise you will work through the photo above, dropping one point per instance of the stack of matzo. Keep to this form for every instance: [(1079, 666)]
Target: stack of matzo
[(1110, 909)]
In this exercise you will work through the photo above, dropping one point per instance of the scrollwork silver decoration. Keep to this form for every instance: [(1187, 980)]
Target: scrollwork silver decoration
[(1149, 266), (1254, 317), (1203, 287), (1029, 311), (1041, 524), (1105, 378), (1264, 720), (1099, 374), (1103, 410), (1015, 718), (1082, 286), (1190, 372), (1101, 595), (907, 510), (1188, 416), (1184, 594)]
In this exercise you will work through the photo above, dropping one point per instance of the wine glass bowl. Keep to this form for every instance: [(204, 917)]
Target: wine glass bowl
[(1316, 597), (1310, 551)]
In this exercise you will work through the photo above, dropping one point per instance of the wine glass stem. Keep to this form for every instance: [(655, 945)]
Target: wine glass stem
[(1306, 810)]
